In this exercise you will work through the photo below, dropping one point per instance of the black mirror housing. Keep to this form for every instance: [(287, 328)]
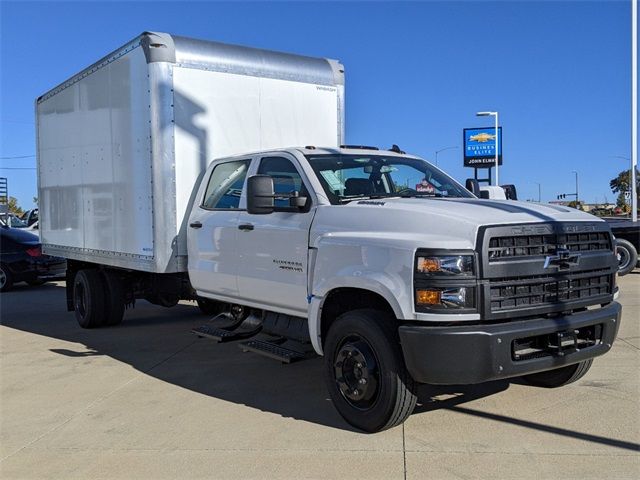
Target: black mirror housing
[(260, 195), (473, 186), (510, 192)]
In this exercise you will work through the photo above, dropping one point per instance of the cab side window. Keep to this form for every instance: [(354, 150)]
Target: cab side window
[(286, 178), (225, 185)]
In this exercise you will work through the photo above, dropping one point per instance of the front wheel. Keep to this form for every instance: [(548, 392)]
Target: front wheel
[(560, 376), (365, 372)]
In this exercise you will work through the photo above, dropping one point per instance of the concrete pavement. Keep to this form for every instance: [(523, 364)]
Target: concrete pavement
[(147, 399)]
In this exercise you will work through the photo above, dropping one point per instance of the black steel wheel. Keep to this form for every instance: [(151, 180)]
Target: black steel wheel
[(365, 372), (6, 279), (89, 298), (627, 256), (559, 376), (356, 372)]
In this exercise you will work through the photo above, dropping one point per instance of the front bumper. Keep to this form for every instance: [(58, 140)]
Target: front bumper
[(478, 353)]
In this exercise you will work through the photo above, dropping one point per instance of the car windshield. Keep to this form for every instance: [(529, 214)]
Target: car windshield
[(352, 177)]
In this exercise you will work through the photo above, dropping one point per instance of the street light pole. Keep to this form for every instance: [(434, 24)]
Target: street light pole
[(442, 150), (577, 197), (539, 192), (493, 114)]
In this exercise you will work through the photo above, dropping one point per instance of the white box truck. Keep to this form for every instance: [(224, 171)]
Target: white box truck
[(181, 169)]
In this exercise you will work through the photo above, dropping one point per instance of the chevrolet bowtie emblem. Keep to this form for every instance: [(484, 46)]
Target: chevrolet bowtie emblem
[(562, 259)]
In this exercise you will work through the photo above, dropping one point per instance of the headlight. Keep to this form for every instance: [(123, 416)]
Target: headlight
[(446, 298), (445, 264)]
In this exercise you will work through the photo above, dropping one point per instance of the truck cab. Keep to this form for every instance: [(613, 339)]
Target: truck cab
[(402, 276)]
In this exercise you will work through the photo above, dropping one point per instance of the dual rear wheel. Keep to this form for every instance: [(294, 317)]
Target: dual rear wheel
[(98, 298)]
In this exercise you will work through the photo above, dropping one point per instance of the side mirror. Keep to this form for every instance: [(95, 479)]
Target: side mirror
[(260, 195), (473, 186), (510, 192)]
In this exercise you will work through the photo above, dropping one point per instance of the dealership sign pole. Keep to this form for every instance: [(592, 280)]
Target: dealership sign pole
[(497, 144)]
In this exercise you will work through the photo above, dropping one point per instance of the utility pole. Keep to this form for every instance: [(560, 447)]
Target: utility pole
[(539, 192)]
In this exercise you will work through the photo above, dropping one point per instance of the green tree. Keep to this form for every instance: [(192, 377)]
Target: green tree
[(621, 183), (14, 207)]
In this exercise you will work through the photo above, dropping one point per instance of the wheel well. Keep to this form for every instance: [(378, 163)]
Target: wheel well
[(342, 300)]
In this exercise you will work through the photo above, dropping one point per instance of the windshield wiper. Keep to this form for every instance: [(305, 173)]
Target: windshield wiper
[(420, 194), (374, 196)]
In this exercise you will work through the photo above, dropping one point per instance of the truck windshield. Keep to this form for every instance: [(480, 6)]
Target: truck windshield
[(352, 177)]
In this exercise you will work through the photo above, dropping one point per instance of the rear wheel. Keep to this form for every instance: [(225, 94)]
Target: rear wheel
[(114, 301), (89, 301), (560, 376), (365, 372), (6, 279), (627, 256)]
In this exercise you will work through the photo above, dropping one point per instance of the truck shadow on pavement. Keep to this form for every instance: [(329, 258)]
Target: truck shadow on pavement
[(158, 343)]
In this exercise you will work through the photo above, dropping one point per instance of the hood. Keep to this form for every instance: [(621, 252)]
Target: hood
[(432, 222)]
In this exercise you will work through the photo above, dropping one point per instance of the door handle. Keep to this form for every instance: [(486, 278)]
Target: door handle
[(195, 225), (245, 226)]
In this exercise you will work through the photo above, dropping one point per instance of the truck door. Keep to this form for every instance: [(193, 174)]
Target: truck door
[(273, 248), (213, 230)]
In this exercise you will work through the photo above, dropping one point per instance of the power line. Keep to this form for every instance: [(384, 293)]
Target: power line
[(19, 156), (17, 168)]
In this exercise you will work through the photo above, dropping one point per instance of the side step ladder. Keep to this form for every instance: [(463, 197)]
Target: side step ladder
[(286, 351), (239, 329)]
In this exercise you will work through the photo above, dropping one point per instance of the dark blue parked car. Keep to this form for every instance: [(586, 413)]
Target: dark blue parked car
[(21, 259)]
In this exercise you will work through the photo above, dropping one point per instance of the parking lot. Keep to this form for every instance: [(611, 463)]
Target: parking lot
[(148, 399)]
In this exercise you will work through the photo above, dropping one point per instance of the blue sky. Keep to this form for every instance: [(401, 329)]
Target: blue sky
[(559, 73)]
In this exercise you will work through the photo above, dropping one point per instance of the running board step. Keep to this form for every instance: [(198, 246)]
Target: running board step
[(238, 331), (272, 350)]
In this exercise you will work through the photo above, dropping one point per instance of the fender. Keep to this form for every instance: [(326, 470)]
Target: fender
[(375, 283), (383, 270)]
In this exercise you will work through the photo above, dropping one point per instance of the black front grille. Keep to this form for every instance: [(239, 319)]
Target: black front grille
[(541, 290), (522, 246)]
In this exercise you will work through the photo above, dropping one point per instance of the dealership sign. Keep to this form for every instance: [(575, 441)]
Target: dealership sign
[(480, 147)]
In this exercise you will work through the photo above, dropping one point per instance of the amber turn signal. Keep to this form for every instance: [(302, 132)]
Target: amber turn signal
[(428, 264), (428, 297)]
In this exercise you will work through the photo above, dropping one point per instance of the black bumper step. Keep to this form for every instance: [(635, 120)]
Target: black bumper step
[(272, 350)]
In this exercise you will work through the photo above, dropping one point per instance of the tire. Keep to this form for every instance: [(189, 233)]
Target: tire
[(89, 299), (364, 345), (35, 282), (560, 376), (6, 279), (627, 256), (114, 299), (210, 307)]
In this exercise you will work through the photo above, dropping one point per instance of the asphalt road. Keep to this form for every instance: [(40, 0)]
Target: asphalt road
[(149, 400)]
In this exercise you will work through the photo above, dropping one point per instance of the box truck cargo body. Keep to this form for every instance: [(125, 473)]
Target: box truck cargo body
[(121, 144)]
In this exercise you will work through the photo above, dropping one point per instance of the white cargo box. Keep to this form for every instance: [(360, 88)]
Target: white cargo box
[(121, 145)]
